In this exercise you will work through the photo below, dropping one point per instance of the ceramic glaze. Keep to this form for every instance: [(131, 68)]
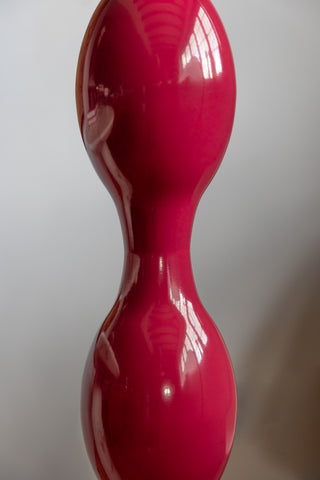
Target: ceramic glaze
[(156, 98)]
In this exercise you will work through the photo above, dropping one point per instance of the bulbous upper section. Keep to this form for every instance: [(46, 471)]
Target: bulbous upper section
[(156, 96)]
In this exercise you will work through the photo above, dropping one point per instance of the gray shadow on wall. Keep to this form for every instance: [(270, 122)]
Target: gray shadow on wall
[(278, 434)]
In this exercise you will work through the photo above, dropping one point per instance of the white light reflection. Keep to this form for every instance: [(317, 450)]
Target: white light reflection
[(167, 392), (195, 339), (97, 128), (212, 39), (161, 265), (99, 434), (204, 46)]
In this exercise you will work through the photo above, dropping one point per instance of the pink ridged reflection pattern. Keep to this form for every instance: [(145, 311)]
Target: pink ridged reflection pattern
[(156, 98)]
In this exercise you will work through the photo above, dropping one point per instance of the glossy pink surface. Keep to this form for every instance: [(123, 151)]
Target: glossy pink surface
[(156, 98)]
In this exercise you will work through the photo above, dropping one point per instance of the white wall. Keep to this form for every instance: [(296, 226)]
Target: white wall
[(257, 227)]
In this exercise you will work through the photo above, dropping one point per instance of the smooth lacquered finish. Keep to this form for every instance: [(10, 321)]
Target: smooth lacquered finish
[(156, 99)]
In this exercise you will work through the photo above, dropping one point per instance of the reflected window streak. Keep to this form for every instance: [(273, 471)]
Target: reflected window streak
[(161, 265), (204, 46), (195, 338), (161, 270), (194, 47), (188, 54), (212, 39), (99, 433), (207, 27), (209, 65), (92, 116)]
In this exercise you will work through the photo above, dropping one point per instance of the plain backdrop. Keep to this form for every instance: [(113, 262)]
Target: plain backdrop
[(255, 244)]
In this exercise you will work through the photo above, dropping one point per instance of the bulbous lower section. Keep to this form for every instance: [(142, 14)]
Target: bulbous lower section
[(159, 398)]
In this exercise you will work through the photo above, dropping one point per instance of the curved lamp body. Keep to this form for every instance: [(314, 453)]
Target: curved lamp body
[(156, 99)]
